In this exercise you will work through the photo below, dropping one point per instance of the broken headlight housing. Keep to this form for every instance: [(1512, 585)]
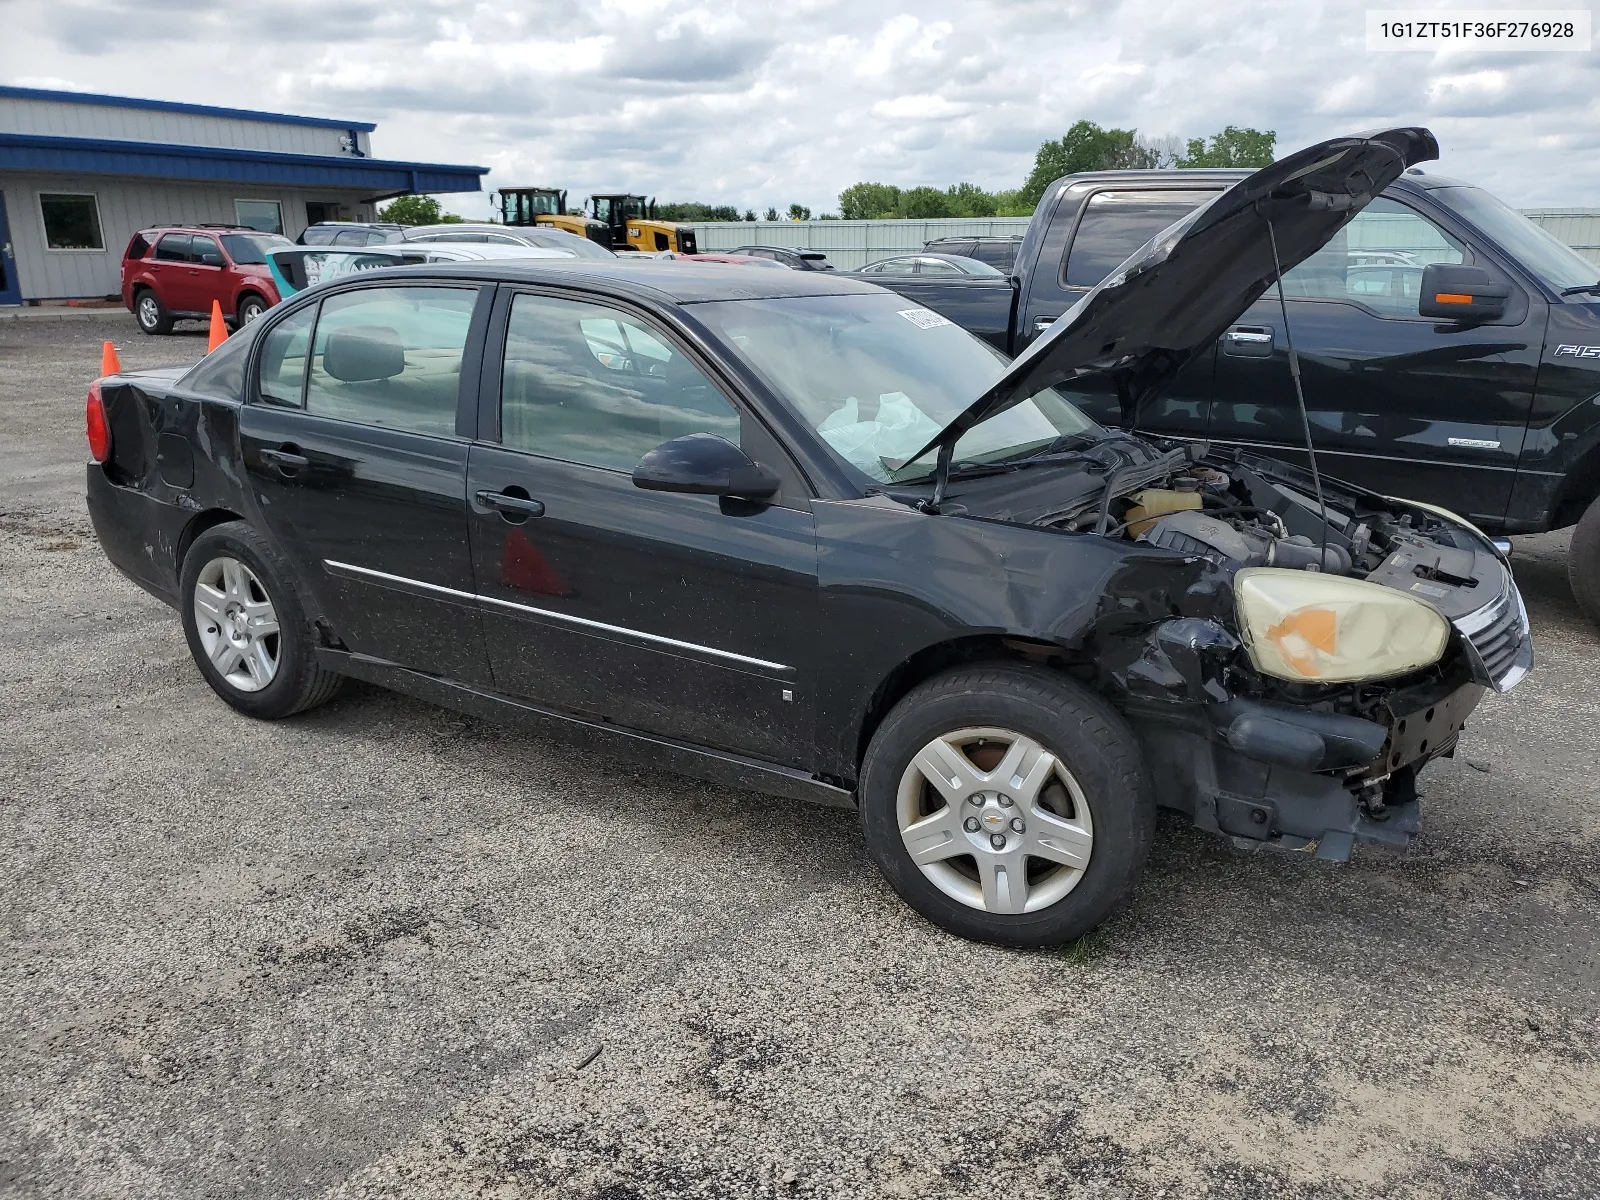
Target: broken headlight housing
[(1315, 628)]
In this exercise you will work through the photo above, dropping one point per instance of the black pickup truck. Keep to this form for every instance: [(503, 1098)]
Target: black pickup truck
[(1490, 408)]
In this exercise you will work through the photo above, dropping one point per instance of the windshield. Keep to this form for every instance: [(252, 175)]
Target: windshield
[(252, 247), (1556, 264), (878, 379)]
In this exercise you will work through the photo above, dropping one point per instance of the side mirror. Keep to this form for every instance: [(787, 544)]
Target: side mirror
[(1452, 293), (704, 464)]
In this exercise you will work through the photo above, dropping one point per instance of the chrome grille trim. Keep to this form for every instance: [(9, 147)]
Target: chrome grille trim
[(1498, 640)]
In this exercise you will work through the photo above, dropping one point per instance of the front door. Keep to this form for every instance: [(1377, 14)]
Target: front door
[(207, 280), (685, 616), (357, 468), (10, 286), (1397, 403)]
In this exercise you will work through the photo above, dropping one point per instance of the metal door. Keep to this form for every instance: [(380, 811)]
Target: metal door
[(10, 286)]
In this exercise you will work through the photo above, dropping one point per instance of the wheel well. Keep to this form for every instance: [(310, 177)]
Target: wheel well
[(935, 660), (199, 524), (1578, 491)]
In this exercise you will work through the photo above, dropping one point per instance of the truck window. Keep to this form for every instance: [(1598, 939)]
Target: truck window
[(1115, 224), (1376, 260)]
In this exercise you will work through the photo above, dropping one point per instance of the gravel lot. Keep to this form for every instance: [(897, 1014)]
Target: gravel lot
[(384, 951)]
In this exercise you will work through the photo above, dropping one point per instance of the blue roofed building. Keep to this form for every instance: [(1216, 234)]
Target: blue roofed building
[(81, 173)]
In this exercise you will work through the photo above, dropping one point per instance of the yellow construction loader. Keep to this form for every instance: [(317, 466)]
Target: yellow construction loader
[(548, 206), (619, 221)]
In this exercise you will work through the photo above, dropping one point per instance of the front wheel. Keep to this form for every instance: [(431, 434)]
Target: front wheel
[(1583, 562), (1008, 805), (246, 628)]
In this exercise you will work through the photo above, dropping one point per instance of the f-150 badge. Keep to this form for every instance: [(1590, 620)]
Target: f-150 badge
[(1579, 351)]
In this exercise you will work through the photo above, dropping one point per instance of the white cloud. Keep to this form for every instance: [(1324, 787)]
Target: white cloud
[(757, 104)]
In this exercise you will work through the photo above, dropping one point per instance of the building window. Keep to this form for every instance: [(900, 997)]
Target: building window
[(265, 215), (70, 222)]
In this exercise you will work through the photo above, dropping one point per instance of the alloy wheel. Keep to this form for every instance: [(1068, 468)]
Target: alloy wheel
[(149, 311), (995, 820), (237, 623)]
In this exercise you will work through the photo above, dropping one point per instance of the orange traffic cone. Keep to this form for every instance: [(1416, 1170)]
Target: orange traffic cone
[(219, 331), (109, 364)]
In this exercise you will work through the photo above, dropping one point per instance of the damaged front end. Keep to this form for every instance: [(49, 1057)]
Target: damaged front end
[(1302, 725)]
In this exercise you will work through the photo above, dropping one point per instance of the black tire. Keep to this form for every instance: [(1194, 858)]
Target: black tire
[(251, 306), (1583, 562), (1081, 730), (150, 314), (300, 682)]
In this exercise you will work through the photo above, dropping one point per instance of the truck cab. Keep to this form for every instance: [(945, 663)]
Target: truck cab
[(1494, 414)]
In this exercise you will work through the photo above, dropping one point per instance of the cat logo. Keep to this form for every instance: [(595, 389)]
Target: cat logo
[(1578, 351)]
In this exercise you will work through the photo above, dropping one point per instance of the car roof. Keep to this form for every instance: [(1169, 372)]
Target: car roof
[(181, 227), (677, 282)]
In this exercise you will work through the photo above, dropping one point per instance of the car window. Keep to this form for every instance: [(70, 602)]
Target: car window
[(350, 237), (377, 237), (317, 237), (936, 266), (391, 356), (1115, 224), (253, 247), (996, 254), (281, 371), (1376, 260), (205, 250), (590, 384), (895, 266), (173, 247)]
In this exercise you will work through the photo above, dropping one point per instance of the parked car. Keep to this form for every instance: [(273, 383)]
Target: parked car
[(739, 260), (1484, 407), (531, 235), (351, 233), (781, 530), (795, 260), (295, 268), (999, 251), (174, 273), (946, 265)]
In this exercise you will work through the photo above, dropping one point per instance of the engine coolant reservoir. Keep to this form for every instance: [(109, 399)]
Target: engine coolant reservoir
[(1152, 504)]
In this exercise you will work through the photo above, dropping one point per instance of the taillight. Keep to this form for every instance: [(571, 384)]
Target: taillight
[(96, 425)]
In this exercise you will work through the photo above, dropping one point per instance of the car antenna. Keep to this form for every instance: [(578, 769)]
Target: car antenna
[(1299, 392)]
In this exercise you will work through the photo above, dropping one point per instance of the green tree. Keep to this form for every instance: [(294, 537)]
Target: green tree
[(772, 214), (416, 210), (1011, 204), (924, 202), (691, 211), (799, 212), (869, 201), (749, 214), (1233, 147), (1084, 147), (970, 200)]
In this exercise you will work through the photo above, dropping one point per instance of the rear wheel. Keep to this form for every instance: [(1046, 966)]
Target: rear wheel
[(1583, 562), (250, 307), (246, 627), (1007, 804), (151, 314)]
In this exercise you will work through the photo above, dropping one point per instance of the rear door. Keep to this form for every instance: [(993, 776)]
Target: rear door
[(208, 276), (168, 268), (1397, 402), (1112, 223), (684, 616), (358, 465)]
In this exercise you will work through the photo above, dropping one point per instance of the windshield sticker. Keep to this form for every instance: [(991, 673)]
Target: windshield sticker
[(924, 318)]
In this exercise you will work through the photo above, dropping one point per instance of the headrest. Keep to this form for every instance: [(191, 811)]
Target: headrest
[(364, 353)]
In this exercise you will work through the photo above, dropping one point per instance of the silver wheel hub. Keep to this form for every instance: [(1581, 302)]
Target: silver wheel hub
[(148, 311), (237, 623), (995, 820)]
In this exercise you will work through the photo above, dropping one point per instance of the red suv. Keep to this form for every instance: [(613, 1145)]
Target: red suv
[(174, 272)]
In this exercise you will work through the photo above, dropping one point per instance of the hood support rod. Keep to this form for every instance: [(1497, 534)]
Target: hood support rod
[(1299, 392)]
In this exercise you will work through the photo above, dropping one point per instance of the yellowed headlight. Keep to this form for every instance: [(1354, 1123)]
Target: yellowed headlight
[(1316, 628)]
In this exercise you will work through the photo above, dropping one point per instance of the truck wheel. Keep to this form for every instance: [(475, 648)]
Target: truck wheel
[(251, 306), (151, 314), (246, 627), (1583, 562), (1008, 805)]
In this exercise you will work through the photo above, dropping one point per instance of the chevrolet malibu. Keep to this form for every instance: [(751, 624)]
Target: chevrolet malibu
[(784, 531)]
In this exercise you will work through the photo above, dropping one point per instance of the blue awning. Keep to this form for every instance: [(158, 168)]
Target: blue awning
[(213, 164)]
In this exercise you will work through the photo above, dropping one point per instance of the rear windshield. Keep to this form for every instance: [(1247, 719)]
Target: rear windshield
[(252, 247), (877, 379), (1115, 224)]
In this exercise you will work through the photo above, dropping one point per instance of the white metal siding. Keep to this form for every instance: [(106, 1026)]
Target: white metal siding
[(57, 119), (127, 206), (850, 244), (1577, 227)]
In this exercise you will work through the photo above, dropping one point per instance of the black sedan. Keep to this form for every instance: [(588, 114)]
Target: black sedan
[(782, 530)]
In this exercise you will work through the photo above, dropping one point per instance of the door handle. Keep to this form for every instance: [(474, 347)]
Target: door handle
[(1244, 341), (513, 508), (1040, 324), (285, 459)]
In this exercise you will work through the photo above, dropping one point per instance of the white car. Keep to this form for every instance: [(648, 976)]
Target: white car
[(295, 268)]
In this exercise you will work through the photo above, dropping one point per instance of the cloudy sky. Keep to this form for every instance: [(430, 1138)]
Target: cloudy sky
[(757, 104)]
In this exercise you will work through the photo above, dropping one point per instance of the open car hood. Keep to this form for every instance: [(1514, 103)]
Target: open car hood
[(1179, 291)]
